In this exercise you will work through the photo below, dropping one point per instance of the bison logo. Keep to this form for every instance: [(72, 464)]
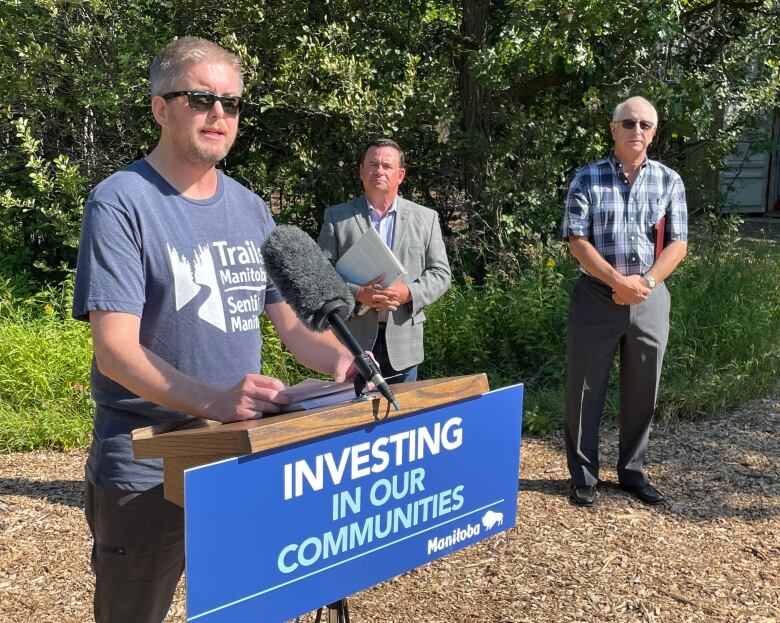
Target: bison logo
[(492, 519)]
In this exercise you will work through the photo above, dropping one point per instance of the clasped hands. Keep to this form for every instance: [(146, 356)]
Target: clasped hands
[(631, 290), (374, 295)]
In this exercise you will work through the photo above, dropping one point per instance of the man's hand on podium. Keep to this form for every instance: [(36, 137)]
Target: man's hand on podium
[(250, 398)]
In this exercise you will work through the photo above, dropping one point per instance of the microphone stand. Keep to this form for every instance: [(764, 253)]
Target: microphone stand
[(367, 369), (361, 388), (338, 612)]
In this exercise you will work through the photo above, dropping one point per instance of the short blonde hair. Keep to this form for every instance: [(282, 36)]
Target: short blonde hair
[(173, 61)]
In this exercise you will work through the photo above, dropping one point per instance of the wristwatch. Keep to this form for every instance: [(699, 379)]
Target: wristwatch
[(650, 281)]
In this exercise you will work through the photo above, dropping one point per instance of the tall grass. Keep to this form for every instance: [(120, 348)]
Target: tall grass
[(45, 358), (724, 346), (513, 328), (44, 370), (724, 343), (44, 397)]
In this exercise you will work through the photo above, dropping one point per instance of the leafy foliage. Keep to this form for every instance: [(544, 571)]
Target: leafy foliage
[(495, 103), (44, 386)]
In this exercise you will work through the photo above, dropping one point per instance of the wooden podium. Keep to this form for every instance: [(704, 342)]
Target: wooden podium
[(203, 441), (359, 517)]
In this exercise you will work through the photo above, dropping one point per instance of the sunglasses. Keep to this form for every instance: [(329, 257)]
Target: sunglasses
[(630, 124), (203, 100)]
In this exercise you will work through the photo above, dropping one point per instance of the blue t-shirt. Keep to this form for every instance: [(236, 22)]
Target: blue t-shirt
[(192, 271)]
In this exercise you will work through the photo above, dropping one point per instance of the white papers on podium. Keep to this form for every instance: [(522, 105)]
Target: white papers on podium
[(368, 258), (313, 393)]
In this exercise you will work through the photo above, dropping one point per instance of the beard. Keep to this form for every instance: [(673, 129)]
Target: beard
[(195, 152)]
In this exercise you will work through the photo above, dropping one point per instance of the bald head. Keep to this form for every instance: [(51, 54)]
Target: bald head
[(633, 127), (632, 102)]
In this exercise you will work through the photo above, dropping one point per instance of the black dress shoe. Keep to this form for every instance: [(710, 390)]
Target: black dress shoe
[(646, 492), (583, 496)]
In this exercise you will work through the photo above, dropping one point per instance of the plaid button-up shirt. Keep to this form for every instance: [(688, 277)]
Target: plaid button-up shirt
[(619, 218)]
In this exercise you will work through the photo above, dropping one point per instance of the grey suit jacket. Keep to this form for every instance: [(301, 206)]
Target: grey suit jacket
[(418, 244)]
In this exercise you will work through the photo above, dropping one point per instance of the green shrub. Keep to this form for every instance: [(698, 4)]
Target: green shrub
[(510, 327), (723, 346)]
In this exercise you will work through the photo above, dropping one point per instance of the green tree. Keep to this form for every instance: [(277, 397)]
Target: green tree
[(495, 102)]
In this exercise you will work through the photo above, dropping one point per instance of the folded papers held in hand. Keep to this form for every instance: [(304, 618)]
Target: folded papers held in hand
[(368, 258)]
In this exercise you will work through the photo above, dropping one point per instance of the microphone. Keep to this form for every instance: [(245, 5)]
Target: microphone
[(316, 293)]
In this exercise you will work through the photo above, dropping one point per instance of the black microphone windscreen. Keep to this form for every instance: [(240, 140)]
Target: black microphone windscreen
[(303, 275)]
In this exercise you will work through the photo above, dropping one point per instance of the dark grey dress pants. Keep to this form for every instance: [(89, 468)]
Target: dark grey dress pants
[(598, 328)]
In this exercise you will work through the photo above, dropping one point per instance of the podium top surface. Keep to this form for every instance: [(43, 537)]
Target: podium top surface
[(209, 438)]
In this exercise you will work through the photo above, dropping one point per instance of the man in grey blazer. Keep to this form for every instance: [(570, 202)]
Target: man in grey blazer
[(389, 321)]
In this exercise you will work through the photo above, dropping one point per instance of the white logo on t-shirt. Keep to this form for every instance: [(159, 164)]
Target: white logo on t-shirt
[(239, 276), (191, 278)]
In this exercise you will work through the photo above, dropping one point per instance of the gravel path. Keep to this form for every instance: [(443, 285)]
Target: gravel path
[(711, 553)]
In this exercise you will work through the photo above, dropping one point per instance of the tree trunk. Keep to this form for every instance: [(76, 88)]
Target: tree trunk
[(474, 120)]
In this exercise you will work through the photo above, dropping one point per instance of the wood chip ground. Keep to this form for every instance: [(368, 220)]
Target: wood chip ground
[(712, 553)]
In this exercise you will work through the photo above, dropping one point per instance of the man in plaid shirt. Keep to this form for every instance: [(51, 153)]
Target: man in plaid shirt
[(620, 301)]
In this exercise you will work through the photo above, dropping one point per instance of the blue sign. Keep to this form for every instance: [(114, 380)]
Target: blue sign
[(273, 535)]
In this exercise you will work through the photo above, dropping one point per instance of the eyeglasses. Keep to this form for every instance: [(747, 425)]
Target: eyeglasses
[(203, 100), (630, 124)]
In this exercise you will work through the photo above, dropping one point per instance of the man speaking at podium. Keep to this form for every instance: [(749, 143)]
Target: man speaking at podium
[(171, 279), (389, 320)]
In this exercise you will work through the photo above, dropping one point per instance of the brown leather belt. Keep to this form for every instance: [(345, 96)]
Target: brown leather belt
[(382, 326)]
